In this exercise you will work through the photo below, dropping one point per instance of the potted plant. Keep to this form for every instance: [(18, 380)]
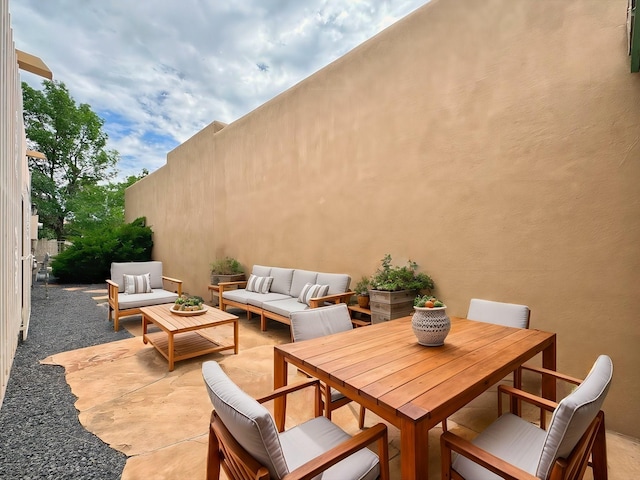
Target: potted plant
[(393, 289), (430, 322), (226, 269), (362, 292)]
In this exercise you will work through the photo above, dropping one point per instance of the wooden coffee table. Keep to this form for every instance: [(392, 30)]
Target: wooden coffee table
[(184, 337)]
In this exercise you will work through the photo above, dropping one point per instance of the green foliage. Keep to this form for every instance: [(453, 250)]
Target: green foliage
[(89, 259), (71, 138), (99, 206), (421, 301), (226, 266), (393, 278), (362, 287)]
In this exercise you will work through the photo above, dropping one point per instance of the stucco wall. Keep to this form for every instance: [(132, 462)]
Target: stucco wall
[(495, 143)]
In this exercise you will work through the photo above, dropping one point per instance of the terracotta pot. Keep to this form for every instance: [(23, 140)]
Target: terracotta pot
[(363, 301)]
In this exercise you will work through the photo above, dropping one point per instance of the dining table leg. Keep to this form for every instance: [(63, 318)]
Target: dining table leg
[(414, 450), (279, 380)]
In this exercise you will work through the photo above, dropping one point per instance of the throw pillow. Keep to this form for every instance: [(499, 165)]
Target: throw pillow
[(137, 283), (259, 284), (310, 291)]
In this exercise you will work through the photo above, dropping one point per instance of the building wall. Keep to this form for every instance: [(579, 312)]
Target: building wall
[(15, 207), (495, 143)]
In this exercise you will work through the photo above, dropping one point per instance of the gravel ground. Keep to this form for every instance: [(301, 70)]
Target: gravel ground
[(40, 435)]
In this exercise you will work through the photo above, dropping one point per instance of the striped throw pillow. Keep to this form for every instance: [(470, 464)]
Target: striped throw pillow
[(137, 283), (310, 291), (259, 284)]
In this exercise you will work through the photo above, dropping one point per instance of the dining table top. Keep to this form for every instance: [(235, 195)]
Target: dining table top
[(383, 364)]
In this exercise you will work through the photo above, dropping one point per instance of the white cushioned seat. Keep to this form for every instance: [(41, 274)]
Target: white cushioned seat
[(338, 282), (137, 300), (254, 429), (300, 279), (154, 268), (252, 298), (285, 307)]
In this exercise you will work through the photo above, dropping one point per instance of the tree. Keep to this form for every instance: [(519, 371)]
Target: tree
[(71, 138), (99, 206)]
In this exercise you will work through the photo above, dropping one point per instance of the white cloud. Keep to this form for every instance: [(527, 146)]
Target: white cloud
[(159, 71)]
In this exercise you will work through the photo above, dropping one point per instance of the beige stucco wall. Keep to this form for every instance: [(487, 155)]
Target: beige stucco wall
[(495, 143)]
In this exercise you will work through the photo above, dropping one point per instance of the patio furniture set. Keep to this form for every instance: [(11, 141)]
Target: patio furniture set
[(384, 369)]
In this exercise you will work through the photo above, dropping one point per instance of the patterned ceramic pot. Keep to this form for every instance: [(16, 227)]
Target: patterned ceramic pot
[(430, 325)]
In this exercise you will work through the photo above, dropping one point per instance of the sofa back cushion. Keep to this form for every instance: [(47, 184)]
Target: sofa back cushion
[(154, 268), (300, 279), (282, 278), (261, 271), (338, 282)]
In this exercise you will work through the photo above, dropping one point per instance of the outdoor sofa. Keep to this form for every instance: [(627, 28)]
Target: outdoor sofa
[(274, 292), (145, 286)]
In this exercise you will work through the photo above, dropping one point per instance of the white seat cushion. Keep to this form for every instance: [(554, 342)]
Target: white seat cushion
[(285, 307), (511, 438), (318, 322), (137, 300), (252, 298), (306, 441)]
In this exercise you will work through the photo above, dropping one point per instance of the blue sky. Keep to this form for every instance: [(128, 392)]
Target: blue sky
[(159, 71)]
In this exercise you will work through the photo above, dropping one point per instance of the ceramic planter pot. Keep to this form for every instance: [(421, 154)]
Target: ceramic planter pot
[(431, 325)]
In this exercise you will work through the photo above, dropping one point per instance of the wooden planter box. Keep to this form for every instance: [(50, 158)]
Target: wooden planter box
[(386, 306)]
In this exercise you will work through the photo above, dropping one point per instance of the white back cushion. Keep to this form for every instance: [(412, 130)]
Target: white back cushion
[(248, 421), (318, 322), (338, 282), (498, 313), (574, 414), (118, 269)]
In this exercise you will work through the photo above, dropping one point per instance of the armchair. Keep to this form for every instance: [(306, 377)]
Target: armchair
[(514, 448), (244, 441)]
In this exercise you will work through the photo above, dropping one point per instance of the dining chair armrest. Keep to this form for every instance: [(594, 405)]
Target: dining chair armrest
[(543, 403), (552, 373), (175, 281), (334, 298), (289, 389), (377, 433), (450, 442)]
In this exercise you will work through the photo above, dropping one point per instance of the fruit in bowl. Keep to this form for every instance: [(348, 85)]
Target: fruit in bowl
[(427, 301), (187, 303)]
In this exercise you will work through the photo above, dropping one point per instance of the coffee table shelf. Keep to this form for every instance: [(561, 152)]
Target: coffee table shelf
[(181, 337)]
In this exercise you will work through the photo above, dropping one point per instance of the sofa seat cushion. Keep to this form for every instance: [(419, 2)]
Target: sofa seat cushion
[(312, 438), (523, 449), (136, 300), (252, 298), (284, 307)]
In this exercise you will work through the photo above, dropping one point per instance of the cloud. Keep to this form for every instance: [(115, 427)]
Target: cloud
[(159, 71)]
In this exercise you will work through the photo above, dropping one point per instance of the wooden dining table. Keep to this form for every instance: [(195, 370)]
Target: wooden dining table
[(411, 386)]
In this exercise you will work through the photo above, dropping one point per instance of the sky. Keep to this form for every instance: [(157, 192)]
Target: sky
[(158, 71)]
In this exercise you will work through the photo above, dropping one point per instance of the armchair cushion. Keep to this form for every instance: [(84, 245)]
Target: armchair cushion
[(153, 268), (308, 440), (137, 300), (499, 313), (523, 448), (137, 283), (248, 421)]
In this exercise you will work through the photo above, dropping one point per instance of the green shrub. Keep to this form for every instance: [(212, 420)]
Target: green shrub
[(89, 259)]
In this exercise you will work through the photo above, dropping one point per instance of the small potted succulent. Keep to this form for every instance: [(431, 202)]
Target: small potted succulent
[(362, 292), (226, 269), (188, 303)]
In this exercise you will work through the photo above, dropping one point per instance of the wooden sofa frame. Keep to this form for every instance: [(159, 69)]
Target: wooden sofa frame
[(265, 314)]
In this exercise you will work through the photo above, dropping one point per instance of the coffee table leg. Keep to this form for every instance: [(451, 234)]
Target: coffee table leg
[(235, 336), (170, 352), (144, 329)]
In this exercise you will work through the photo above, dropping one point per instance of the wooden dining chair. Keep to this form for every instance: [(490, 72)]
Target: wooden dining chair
[(319, 322), (512, 447), (245, 443)]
